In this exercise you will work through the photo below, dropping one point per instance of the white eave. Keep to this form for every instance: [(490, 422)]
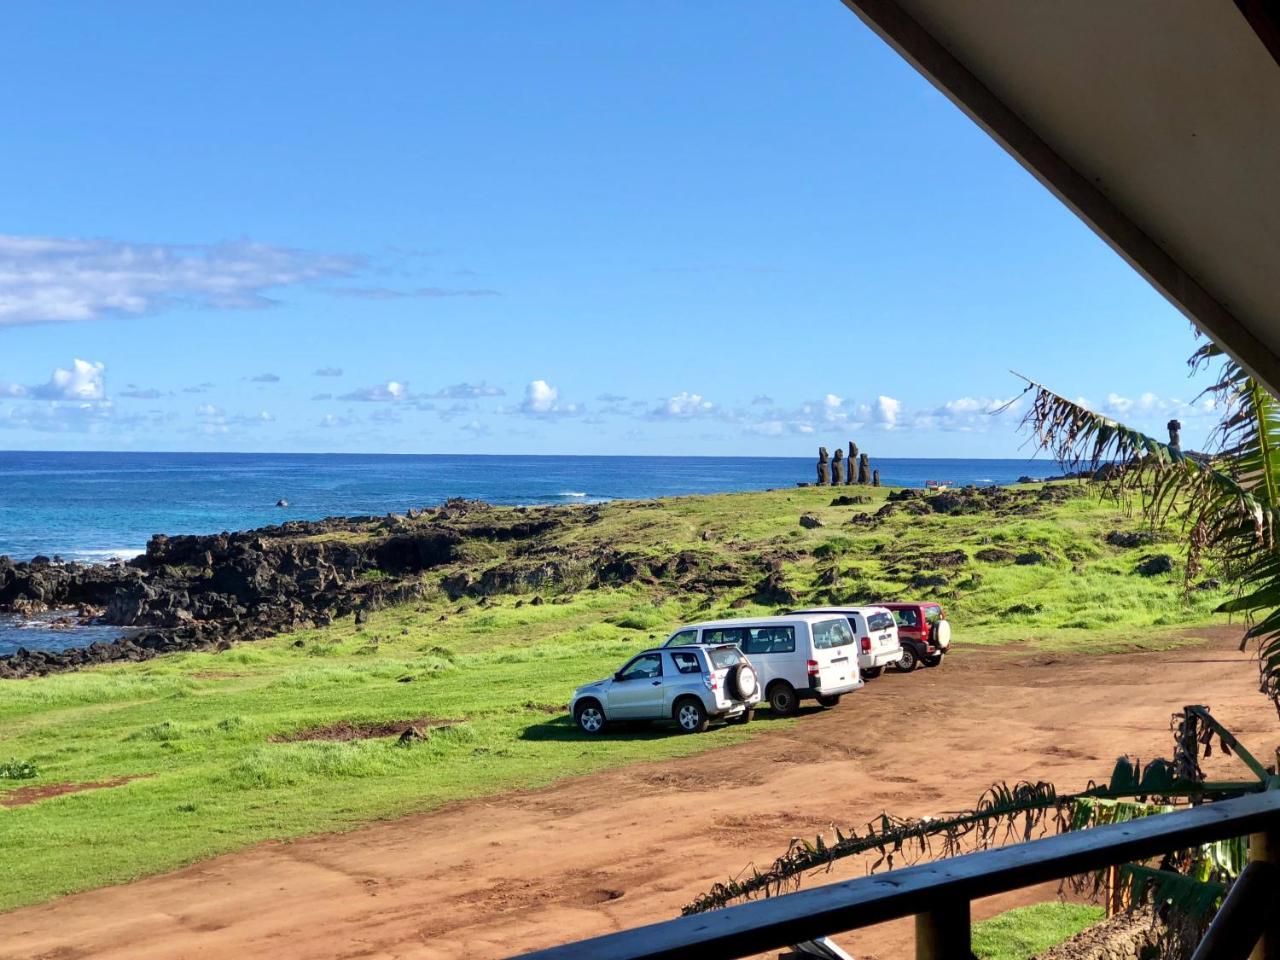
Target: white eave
[(1156, 121)]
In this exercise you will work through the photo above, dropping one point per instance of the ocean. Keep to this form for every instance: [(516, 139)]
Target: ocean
[(97, 507)]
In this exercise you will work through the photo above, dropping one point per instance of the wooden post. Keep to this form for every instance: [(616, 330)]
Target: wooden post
[(1265, 848), (943, 932)]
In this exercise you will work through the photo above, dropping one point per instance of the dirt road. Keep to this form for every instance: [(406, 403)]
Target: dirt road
[(603, 852)]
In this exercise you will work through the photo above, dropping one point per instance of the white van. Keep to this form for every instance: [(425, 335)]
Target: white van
[(796, 657), (877, 633)]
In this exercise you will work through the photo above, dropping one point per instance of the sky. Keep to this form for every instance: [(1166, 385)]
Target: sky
[(558, 227)]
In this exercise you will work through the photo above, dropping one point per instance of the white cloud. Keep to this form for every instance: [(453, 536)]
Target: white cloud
[(84, 381), (683, 406), (336, 421), (265, 378), (541, 399), (391, 390), (468, 391), (886, 411), (329, 372), (52, 279)]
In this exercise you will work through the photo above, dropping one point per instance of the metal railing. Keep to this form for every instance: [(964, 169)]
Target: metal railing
[(939, 893)]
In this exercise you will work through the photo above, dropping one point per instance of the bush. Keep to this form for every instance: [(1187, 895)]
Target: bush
[(18, 770)]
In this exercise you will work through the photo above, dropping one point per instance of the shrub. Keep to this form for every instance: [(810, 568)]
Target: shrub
[(18, 770)]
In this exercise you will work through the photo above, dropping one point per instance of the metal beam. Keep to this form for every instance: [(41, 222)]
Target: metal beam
[(956, 81), (752, 928)]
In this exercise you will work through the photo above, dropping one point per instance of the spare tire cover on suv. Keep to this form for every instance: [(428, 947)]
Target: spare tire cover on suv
[(742, 682), (942, 634)]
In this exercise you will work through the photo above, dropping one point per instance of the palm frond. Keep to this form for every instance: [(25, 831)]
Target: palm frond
[(1228, 503)]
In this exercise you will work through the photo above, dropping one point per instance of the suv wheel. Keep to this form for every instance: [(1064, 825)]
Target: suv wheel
[(932, 661), (745, 717), (782, 699), (589, 717), (742, 682), (690, 716), (908, 661), (828, 701)]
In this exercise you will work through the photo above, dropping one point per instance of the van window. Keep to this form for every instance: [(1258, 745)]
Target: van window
[(769, 640), (722, 658), (686, 661), (682, 638), (832, 633), (724, 635), (933, 613), (880, 621)]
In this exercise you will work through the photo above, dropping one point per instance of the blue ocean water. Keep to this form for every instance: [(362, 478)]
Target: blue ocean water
[(96, 506)]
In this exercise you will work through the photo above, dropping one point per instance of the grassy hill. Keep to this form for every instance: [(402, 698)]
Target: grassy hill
[(194, 754)]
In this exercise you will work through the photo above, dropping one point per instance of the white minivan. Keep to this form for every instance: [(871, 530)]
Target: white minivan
[(877, 633), (797, 657)]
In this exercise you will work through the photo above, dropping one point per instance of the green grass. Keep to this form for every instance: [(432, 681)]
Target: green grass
[(1024, 932), (199, 735)]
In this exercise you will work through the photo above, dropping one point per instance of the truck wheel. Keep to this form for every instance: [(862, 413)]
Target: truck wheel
[(589, 717), (828, 701), (745, 717), (690, 715), (872, 672), (908, 661), (782, 699)]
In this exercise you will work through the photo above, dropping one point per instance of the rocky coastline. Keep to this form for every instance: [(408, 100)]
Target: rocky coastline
[(205, 592)]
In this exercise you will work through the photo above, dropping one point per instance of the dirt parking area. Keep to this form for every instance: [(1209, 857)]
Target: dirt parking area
[(600, 853)]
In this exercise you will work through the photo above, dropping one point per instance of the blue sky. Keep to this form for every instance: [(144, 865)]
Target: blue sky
[(559, 227)]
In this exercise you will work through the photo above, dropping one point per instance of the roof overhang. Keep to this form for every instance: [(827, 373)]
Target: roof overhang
[(1156, 121)]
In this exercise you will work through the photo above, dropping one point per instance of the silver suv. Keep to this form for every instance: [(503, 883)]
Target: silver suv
[(690, 684)]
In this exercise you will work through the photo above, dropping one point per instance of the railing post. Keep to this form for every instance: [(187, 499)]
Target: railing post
[(943, 932), (1265, 848)]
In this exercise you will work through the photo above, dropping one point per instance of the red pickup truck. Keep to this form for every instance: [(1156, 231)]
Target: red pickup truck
[(923, 631)]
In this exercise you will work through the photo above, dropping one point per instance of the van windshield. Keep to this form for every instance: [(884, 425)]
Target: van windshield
[(832, 633), (880, 621)]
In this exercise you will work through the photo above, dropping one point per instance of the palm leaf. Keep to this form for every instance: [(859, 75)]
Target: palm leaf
[(1227, 503)]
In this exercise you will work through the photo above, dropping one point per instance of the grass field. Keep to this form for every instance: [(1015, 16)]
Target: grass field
[(1024, 932), (205, 749)]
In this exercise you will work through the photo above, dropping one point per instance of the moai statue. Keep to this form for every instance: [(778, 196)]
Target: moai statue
[(875, 478), (851, 465), (822, 466), (864, 469), (1175, 439), (835, 467)]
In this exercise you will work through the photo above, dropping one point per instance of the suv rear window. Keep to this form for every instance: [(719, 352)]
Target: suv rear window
[(770, 640), (933, 613), (722, 658), (880, 621), (832, 633), (687, 661)]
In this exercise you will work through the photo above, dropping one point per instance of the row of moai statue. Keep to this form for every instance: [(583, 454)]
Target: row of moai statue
[(830, 473)]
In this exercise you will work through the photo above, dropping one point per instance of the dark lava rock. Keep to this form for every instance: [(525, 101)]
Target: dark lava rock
[(810, 522), (1155, 565), (921, 580), (944, 560), (1030, 558), (995, 555), (850, 501), (1130, 538), (362, 617)]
